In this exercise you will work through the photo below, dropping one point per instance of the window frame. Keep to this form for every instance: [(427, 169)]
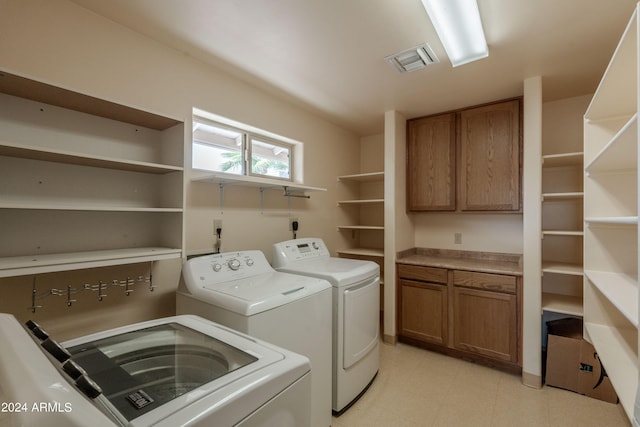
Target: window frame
[(248, 135), (260, 138), (207, 122)]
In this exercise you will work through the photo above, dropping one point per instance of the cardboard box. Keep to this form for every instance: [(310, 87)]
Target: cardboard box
[(573, 364)]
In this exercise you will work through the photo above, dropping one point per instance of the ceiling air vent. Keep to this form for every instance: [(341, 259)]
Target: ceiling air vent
[(413, 59)]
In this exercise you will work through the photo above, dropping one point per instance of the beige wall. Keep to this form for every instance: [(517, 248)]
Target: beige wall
[(480, 232), (60, 43)]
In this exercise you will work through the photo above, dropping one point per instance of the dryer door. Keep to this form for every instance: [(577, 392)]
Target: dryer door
[(361, 320)]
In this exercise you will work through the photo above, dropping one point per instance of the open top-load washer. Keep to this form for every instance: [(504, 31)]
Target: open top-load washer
[(241, 290), (177, 371), (356, 312)]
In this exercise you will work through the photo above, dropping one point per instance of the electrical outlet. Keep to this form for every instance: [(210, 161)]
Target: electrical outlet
[(457, 238), (217, 223), (291, 221)]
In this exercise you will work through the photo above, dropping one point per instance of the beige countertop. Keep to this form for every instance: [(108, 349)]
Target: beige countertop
[(485, 262)]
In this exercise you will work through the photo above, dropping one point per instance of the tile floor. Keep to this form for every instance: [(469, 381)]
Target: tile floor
[(416, 387)]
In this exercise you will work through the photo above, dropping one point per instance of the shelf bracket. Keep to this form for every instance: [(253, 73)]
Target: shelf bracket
[(261, 200), (221, 198), (290, 193), (34, 296)]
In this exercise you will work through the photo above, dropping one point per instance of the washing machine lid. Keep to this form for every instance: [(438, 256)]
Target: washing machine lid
[(338, 271), (163, 372), (260, 293), (141, 370)]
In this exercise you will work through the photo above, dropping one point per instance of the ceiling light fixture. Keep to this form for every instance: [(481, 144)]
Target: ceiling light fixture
[(458, 25)]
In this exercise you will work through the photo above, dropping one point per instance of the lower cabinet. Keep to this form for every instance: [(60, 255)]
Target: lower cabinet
[(424, 311), (463, 313), (423, 303)]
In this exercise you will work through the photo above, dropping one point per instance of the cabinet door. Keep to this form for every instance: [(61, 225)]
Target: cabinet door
[(486, 323), (431, 163), (422, 311), (490, 157)]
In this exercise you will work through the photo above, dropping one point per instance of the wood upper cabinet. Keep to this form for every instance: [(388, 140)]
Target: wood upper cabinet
[(490, 157), (467, 160), (431, 163)]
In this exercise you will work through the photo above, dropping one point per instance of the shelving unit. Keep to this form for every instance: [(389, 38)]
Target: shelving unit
[(85, 182), (368, 184), (611, 218), (562, 233), (367, 210)]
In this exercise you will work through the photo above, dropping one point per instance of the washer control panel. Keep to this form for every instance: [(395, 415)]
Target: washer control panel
[(227, 266), (298, 250)]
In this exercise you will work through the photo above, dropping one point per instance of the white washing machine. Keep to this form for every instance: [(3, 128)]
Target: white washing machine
[(176, 371), (241, 290), (356, 312)]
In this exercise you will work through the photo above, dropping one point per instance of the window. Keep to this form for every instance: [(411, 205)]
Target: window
[(219, 147), (270, 158)]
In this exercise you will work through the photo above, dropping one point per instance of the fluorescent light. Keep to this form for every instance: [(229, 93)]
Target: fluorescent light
[(458, 25)]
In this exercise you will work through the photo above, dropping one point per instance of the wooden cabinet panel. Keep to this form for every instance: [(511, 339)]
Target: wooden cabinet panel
[(431, 163), (426, 274), (490, 158), (423, 311), (463, 313), (485, 323), (486, 281)]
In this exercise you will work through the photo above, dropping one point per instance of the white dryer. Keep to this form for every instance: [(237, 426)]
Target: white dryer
[(356, 312), (241, 290), (176, 371)]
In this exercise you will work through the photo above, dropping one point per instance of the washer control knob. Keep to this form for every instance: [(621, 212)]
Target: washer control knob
[(88, 387), (73, 369), (315, 245), (234, 264), (249, 262), (216, 267), (56, 350)]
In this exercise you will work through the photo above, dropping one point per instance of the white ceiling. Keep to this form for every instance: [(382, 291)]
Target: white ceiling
[(328, 55)]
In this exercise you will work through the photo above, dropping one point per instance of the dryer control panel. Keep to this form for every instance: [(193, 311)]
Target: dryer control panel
[(298, 250)]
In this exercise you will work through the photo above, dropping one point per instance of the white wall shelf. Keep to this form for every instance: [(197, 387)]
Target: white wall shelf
[(563, 304), (563, 196), (87, 208), (562, 233), (624, 221), (363, 177), (621, 151), (617, 349), (619, 81), (38, 264), (78, 158), (620, 289), (85, 182), (563, 159), (562, 268), (365, 252), (225, 179), (611, 215), (361, 202), (360, 227)]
